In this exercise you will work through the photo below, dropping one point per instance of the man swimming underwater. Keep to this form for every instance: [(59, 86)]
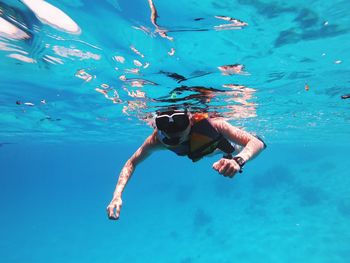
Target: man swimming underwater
[(194, 136)]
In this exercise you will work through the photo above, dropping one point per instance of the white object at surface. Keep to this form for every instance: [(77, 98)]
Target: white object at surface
[(53, 16)]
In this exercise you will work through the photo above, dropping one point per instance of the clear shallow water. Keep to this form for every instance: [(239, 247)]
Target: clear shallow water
[(284, 207), (72, 112)]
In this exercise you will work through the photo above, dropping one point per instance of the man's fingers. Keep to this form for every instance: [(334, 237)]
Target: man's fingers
[(113, 217), (230, 172), (226, 167), (118, 210), (223, 168), (111, 214), (217, 165), (233, 169)]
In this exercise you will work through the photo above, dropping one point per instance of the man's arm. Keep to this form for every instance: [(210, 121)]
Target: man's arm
[(149, 145), (252, 147)]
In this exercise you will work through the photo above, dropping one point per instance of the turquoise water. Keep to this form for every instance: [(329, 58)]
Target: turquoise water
[(75, 105)]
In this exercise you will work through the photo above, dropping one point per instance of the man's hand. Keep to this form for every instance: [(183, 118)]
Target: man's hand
[(226, 167), (113, 209)]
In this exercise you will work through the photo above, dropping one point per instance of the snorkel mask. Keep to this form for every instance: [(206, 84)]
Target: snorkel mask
[(172, 125)]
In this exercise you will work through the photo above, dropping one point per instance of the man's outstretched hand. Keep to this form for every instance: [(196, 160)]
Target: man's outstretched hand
[(226, 167), (113, 209)]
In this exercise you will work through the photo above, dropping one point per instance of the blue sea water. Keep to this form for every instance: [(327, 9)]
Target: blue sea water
[(74, 106)]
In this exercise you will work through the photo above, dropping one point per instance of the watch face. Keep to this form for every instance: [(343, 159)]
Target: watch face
[(239, 160)]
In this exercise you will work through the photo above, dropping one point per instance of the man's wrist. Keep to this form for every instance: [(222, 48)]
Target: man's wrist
[(117, 194), (240, 161)]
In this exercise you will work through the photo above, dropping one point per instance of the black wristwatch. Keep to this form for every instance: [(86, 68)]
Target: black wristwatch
[(240, 162)]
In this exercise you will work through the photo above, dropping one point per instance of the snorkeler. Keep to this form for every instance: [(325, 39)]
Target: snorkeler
[(194, 136)]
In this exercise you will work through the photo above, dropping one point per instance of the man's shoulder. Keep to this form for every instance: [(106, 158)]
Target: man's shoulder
[(152, 140), (219, 123)]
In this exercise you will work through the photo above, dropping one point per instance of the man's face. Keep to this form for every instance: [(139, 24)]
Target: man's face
[(174, 125), (177, 138)]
